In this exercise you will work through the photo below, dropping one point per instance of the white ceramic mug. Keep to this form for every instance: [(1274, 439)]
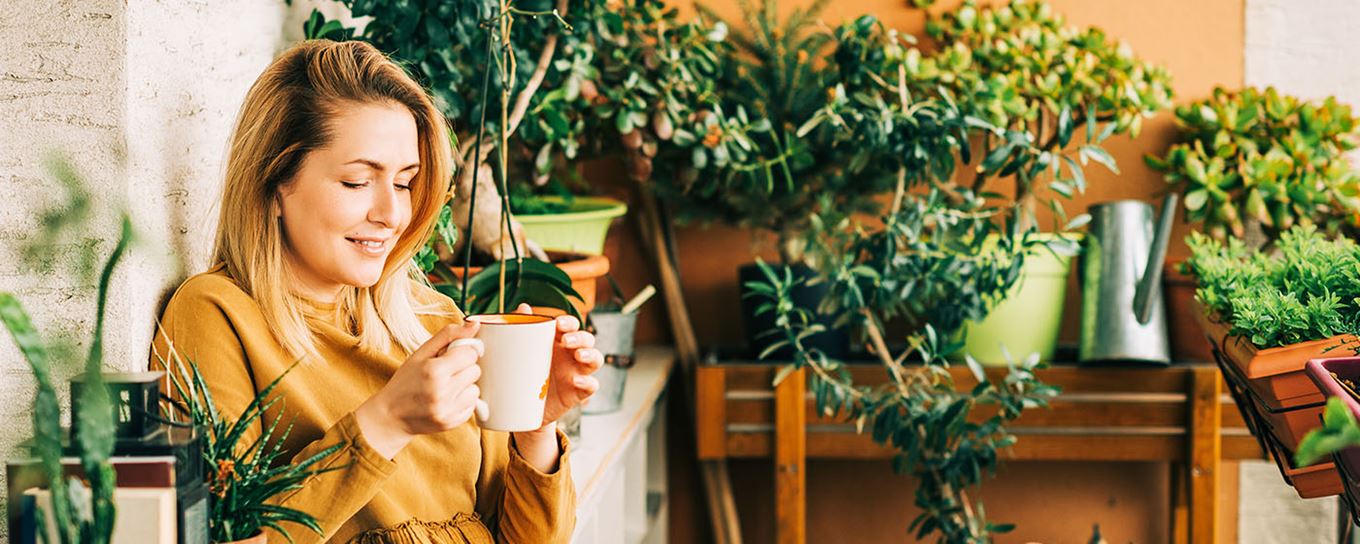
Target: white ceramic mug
[(516, 358)]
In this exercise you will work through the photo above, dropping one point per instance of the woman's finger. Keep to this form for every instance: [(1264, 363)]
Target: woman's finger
[(566, 323), (586, 386), (524, 308), (591, 358), (578, 339)]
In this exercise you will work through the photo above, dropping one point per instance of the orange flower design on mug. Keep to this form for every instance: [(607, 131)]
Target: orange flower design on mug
[(543, 393)]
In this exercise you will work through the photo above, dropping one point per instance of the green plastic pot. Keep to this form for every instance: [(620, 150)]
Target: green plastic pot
[(581, 229), (1029, 319)]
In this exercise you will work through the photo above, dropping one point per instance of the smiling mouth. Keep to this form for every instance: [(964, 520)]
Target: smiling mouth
[(371, 247)]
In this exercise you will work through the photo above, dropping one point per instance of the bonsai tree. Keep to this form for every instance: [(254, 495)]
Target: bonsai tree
[(927, 261), (1255, 163)]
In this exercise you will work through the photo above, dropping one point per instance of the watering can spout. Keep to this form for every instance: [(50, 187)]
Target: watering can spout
[(1149, 287)]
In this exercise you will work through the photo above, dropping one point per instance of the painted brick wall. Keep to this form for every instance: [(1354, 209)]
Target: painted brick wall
[(1306, 49), (142, 94)]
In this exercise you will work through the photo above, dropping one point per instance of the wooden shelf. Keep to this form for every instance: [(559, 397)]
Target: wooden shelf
[(1174, 414)]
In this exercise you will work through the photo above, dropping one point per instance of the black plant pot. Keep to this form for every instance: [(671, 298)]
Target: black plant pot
[(835, 343)]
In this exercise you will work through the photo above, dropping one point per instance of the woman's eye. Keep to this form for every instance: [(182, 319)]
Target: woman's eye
[(401, 187), (353, 184)]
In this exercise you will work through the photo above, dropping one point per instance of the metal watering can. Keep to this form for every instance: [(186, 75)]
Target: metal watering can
[(1123, 316)]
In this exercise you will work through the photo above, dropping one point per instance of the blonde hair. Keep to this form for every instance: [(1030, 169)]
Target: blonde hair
[(286, 115)]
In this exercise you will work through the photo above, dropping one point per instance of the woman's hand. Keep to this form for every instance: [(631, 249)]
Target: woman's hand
[(433, 391), (574, 360), (570, 383)]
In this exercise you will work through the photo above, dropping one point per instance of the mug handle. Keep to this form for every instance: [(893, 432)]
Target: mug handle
[(482, 409)]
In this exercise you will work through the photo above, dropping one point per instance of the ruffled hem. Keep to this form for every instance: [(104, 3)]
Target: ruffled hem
[(462, 529)]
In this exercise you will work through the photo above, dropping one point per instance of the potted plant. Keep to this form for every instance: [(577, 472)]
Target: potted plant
[(936, 259), (1043, 84), (243, 477), (1339, 435), (248, 475), (561, 220), (83, 511), (1251, 164), (1270, 313)]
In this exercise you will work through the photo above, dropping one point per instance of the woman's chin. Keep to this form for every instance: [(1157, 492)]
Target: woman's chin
[(364, 280)]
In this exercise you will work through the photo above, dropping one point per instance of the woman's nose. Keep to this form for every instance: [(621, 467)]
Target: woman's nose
[(384, 210)]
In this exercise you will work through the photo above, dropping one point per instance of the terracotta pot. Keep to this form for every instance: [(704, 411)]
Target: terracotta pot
[(1274, 376), (1289, 426), (257, 539), (1325, 373), (1188, 343), (1310, 482), (583, 270)]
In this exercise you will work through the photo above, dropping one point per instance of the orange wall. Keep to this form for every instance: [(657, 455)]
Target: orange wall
[(1201, 44)]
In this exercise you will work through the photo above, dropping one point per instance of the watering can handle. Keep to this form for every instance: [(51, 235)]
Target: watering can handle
[(1150, 284)]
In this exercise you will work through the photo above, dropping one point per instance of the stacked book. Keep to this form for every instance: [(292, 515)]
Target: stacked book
[(161, 495)]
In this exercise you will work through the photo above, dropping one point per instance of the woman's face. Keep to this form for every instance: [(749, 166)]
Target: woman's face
[(350, 201)]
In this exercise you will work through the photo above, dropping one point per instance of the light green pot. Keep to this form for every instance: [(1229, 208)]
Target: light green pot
[(581, 229), (1029, 319)]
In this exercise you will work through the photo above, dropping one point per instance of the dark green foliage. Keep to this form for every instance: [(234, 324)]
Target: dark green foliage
[(1308, 289), (919, 412), (243, 477), (1263, 157), (540, 284)]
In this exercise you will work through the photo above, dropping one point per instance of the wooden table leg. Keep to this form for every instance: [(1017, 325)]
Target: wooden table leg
[(790, 459), (1205, 454)]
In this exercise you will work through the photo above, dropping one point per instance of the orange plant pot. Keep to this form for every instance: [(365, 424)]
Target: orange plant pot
[(1310, 482), (1275, 376), (1188, 343), (1289, 426), (259, 538), (583, 269)]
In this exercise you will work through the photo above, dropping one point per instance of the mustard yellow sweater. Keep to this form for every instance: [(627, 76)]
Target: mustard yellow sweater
[(466, 485)]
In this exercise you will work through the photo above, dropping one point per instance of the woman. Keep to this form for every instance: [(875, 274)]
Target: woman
[(337, 169)]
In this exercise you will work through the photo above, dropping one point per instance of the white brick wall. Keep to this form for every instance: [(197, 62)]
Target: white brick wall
[(142, 94), (1306, 49)]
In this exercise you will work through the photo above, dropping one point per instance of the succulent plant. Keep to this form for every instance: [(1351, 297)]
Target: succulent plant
[(1265, 160)]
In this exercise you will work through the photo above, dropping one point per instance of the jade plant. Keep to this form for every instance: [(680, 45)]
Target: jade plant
[(1307, 289), (1023, 69), (1254, 163)]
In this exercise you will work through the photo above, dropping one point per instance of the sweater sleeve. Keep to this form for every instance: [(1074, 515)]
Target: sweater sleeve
[(520, 503), (198, 327)]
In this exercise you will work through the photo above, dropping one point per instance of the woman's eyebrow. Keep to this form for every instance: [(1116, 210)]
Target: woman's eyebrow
[(379, 166)]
